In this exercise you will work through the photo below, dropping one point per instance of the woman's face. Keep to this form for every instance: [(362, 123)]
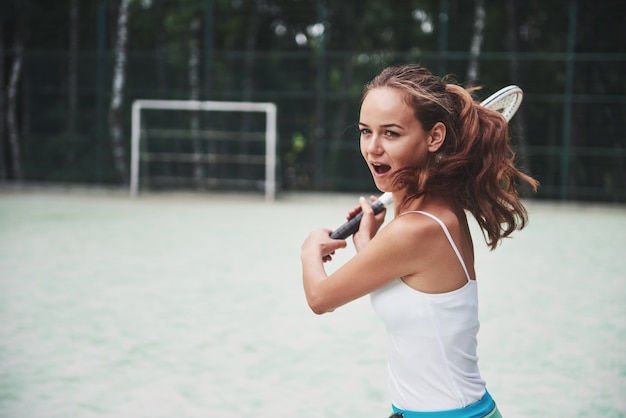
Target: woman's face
[(391, 137)]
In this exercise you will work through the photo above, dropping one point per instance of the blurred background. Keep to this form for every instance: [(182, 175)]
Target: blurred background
[(70, 72), (179, 305)]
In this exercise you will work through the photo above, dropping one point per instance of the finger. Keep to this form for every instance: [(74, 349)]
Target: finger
[(353, 212), (329, 248), (365, 206), (335, 244)]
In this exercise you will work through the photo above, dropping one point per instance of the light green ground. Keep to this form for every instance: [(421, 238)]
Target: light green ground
[(188, 306)]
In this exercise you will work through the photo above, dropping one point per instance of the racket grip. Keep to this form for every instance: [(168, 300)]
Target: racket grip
[(350, 227)]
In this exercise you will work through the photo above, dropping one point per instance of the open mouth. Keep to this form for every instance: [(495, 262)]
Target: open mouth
[(381, 168)]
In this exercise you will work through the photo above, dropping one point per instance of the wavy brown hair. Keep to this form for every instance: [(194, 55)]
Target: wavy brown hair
[(475, 166)]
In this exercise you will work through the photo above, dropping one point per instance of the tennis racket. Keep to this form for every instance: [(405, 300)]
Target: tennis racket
[(505, 101)]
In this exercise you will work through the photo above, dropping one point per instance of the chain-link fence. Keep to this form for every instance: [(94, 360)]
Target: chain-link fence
[(572, 141)]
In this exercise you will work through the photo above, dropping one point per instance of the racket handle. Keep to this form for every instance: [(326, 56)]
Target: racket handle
[(350, 227)]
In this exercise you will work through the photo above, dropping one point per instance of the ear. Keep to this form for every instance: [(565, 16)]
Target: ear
[(436, 137)]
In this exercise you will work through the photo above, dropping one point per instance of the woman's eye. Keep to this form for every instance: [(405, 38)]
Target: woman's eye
[(365, 131), (391, 133)]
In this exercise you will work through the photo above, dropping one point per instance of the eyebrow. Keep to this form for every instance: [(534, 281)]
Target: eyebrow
[(387, 125)]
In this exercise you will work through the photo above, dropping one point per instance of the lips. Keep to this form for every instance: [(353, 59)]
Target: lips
[(380, 168)]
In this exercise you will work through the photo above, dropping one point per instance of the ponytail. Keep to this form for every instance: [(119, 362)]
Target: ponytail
[(483, 163)]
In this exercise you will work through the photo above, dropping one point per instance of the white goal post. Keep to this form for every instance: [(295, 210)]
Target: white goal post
[(195, 105)]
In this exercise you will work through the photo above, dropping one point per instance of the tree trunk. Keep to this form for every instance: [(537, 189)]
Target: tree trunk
[(519, 122), (319, 97), (473, 69), (208, 41), (3, 157), (194, 94), (12, 91), (243, 171), (72, 92), (117, 95), (341, 119), (250, 55), (160, 41)]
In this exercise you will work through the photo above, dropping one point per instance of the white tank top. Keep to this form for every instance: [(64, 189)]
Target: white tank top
[(433, 364)]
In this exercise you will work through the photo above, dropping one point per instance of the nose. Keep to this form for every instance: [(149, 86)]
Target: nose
[(374, 145)]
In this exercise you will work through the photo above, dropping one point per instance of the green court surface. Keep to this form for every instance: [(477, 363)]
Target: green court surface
[(192, 306)]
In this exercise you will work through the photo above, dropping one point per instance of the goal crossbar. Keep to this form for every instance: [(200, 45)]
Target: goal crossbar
[(196, 105)]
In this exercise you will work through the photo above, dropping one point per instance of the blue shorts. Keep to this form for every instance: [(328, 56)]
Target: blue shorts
[(484, 408)]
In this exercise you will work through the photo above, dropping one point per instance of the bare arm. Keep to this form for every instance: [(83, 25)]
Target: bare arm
[(381, 257)]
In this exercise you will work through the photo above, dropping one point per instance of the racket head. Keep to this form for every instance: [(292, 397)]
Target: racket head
[(505, 101)]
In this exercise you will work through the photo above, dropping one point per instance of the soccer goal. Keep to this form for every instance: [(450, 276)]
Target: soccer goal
[(203, 145)]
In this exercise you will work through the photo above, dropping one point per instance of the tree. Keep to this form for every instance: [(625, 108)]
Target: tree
[(271, 50), (13, 91), (473, 68), (351, 14), (117, 95), (72, 89), (194, 94), (519, 122), (3, 171), (160, 47)]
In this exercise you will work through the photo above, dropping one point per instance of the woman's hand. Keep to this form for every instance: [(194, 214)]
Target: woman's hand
[(370, 223), (320, 245)]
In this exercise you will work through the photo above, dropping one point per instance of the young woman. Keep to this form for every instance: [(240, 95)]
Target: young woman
[(441, 155)]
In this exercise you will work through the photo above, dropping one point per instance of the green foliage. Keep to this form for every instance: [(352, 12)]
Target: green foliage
[(312, 58)]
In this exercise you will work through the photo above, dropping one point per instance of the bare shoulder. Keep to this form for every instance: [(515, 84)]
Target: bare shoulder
[(435, 267), (422, 224), (409, 234)]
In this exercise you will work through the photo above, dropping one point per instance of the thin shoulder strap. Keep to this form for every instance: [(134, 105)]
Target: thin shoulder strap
[(445, 230)]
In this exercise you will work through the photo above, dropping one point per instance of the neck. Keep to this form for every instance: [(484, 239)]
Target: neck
[(423, 202), (402, 205)]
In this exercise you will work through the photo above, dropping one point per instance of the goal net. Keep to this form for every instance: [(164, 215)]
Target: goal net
[(203, 145)]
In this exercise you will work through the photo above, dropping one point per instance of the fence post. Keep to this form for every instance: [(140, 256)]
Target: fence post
[(100, 80), (320, 98), (567, 102), (442, 41)]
